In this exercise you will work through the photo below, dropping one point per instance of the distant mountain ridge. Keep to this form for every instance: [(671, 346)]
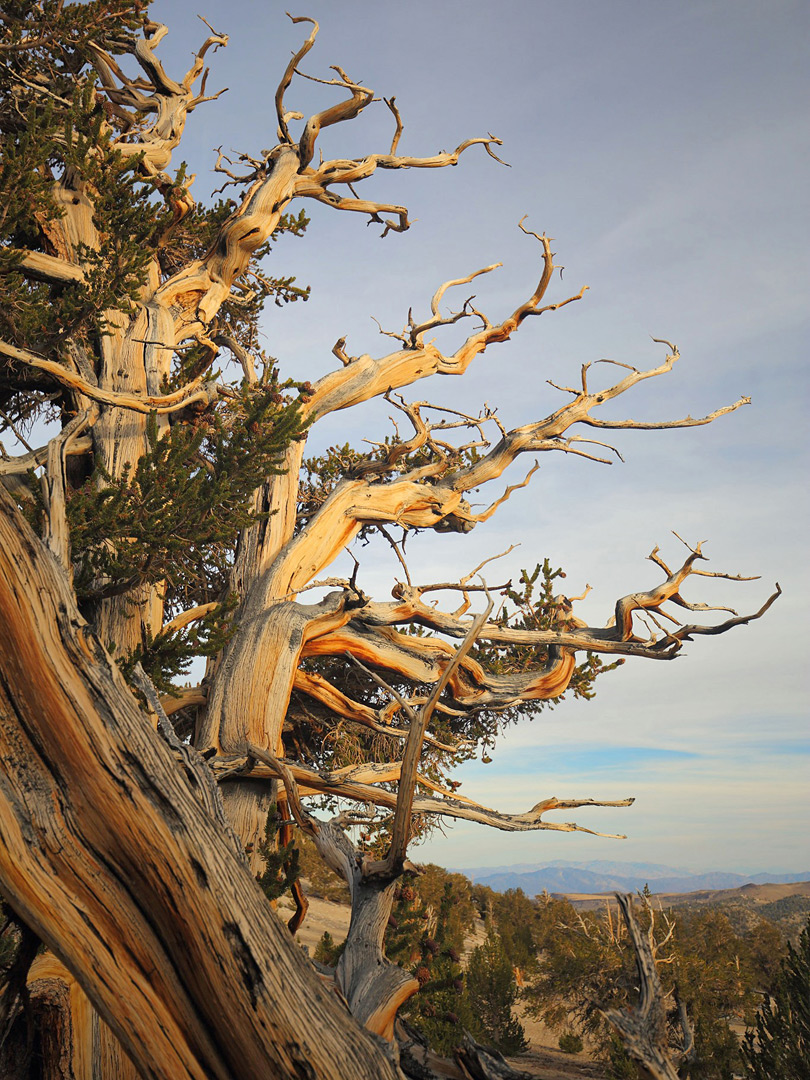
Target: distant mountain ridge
[(608, 877)]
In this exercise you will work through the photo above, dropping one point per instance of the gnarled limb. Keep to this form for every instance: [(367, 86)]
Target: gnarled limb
[(373, 987), (320, 689), (195, 392), (153, 94), (451, 806), (19, 465), (619, 637)]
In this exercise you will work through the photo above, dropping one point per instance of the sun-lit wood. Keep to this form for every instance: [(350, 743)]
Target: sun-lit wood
[(132, 848)]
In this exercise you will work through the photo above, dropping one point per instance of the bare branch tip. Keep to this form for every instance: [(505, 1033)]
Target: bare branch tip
[(669, 345)]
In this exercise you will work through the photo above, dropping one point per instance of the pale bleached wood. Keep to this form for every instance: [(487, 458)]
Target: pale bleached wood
[(248, 688), (37, 264), (642, 1027), (450, 806)]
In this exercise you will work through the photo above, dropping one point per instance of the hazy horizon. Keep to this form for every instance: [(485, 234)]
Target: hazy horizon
[(592, 864)]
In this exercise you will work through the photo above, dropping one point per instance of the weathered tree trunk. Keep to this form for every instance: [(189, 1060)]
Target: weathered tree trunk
[(247, 803), (108, 855), (643, 1028), (60, 1036), (373, 986)]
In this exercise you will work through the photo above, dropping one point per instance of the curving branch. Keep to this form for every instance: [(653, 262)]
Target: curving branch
[(617, 638), (185, 618), (344, 110), (366, 377), (286, 78), (197, 391), (18, 466), (184, 698), (451, 807), (441, 505)]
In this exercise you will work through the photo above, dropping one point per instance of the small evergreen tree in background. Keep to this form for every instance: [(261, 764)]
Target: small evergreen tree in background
[(513, 914), (327, 951), (778, 1047), (491, 993)]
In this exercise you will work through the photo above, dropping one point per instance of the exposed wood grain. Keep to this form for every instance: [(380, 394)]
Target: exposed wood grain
[(108, 855)]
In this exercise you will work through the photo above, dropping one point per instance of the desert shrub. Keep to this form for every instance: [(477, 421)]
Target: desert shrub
[(570, 1043)]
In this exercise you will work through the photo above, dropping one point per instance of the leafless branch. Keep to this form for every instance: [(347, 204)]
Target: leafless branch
[(531, 821), (643, 1028), (198, 390), (391, 103)]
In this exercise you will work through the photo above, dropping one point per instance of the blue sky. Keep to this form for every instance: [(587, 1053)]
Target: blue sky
[(665, 148)]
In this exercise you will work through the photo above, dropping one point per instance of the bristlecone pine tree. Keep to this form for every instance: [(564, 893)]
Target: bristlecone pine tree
[(168, 514)]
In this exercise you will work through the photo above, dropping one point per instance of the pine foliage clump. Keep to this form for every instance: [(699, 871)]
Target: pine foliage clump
[(426, 935), (491, 993), (778, 1046)]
